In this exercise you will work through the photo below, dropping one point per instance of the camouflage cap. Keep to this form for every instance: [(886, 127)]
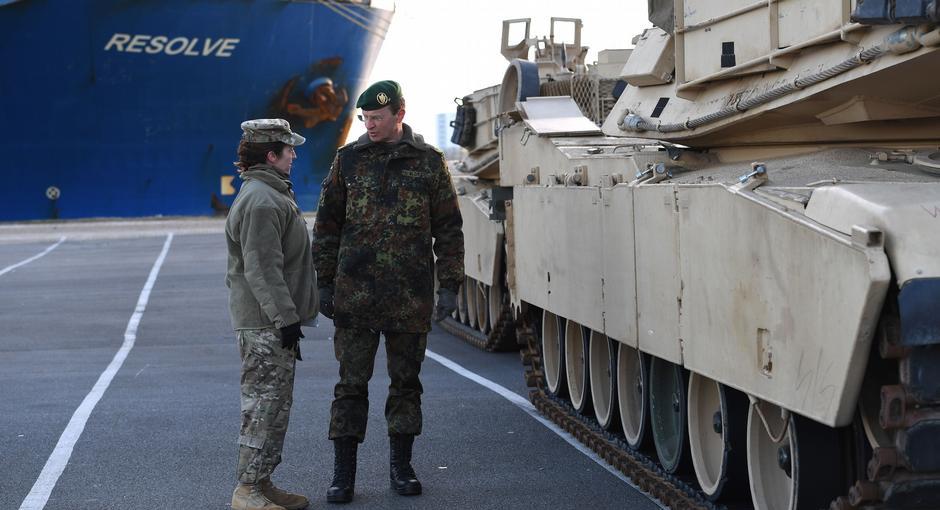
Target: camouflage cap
[(380, 94), (270, 130)]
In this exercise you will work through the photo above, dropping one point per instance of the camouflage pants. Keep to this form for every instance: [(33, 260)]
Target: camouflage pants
[(355, 350), (267, 389)]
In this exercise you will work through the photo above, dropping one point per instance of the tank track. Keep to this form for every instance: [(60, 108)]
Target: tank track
[(501, 338), (643, 471), (889, 484), (904, 475)]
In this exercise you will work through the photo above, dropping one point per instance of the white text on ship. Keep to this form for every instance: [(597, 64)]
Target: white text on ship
[(142, 43)]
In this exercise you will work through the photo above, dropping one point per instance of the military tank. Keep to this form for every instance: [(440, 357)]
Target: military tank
[(719, 251)]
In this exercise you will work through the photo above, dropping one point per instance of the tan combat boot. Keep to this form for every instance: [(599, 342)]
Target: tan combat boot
[(250, 497), (281, 497)]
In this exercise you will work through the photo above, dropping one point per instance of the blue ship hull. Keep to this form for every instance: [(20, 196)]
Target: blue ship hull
[(132, 108)]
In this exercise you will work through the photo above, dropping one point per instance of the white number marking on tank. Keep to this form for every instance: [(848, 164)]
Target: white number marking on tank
[(190, 47), (527, 406), (34, 257), (59, 458)]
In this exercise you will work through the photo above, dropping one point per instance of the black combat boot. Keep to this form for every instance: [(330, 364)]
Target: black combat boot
[(344, 470), (403, 477)]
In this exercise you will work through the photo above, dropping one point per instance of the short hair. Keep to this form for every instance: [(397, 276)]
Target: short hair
[(256, 153), (399, 105)]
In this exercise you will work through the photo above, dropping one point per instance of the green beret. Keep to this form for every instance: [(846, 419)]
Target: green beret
[(380, 94)]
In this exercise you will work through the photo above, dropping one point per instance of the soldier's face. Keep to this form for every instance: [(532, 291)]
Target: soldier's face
[(382, 125), (283, 161)]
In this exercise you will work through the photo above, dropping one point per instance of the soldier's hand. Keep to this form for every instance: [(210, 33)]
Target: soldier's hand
[(290, 335), (326, 302), (446, 304)]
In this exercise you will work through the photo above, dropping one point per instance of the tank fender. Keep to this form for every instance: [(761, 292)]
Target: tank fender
[(483, 237), (907, 213)]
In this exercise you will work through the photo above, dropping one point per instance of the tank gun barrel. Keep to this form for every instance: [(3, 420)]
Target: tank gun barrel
[(902, 41)]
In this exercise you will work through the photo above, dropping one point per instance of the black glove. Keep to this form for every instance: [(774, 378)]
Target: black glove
[(290, 335), (326, 302), (446, 304)]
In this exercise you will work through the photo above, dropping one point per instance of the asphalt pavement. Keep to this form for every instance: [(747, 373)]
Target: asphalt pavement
[(163, 431)]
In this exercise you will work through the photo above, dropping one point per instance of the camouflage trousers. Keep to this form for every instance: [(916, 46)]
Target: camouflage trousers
[(267, 389), (355, 350)]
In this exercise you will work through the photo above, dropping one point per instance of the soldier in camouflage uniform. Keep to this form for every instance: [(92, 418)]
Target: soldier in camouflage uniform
[(387, 208), (273, 286)]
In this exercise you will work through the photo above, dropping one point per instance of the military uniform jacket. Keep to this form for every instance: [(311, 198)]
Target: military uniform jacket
[(271, 274), (381, 208)]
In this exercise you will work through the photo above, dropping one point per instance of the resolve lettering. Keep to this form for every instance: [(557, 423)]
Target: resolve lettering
[(190, 47)]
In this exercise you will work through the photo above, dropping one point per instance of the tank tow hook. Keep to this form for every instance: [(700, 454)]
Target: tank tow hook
[(655, 172), (756, 178)]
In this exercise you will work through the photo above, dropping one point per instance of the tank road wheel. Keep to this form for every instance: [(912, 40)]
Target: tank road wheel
[(717, 438), (793, 462), (576, 367), (633, 396), (470, 285), (462, 304), (603, 368), (553, 355), (483, 308), (668, 409), (494, 301)]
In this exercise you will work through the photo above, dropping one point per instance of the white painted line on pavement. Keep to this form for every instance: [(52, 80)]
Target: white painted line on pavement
[(39, 494), (527, 406), (34, 257)]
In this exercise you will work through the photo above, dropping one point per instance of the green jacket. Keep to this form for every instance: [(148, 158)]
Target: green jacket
[(383, 207), (270, 266)]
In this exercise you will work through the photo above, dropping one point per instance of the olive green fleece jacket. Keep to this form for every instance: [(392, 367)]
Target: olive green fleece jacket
[(270, 265)]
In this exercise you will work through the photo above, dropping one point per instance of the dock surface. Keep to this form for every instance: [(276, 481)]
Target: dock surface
[(102, 412)]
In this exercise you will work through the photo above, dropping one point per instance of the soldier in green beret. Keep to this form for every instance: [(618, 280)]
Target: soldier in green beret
[(273, 286), (387, 209)]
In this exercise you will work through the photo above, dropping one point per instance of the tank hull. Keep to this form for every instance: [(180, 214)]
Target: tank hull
[(765, 291)]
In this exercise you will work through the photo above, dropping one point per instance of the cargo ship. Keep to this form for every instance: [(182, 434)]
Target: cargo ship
[(116, 108)]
